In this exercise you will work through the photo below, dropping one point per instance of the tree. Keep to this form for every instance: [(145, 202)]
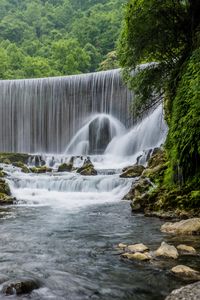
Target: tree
[(160, 32)]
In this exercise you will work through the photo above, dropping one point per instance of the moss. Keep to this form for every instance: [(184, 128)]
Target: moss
[(5, 199), (65, 167), (14, 157), (40, 170), (4, 187), (18, 164)]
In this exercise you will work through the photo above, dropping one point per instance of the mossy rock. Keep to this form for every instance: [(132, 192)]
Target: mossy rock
[(2, 174), (88, 172), (65, 167), (25, 169), (6, 161), (86, 165), (18, 164), (4, 187), (6, 200), (159, 158), (133, 171), (40, 170), (138, 188), (14, 157)]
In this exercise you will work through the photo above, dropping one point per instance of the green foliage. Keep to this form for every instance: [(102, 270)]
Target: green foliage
[(184, 135), (161, 32), (56, 37)]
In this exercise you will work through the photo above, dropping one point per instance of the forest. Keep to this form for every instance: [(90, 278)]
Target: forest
[(58, 37)]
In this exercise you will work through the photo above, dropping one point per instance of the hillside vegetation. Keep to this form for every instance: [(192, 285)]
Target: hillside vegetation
[(41, 38)]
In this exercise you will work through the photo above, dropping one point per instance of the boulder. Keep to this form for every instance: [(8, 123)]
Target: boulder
[(6, 200), (25, 169), (40, 170), (4, 187), (138, 188), (23, 286), (133, 171), (137, 248), (188, 292), (186, 272), (166, 250), (137, 256), (87, 168), (190, 226), (66, 167), (18, 164), (186, 249), (15, 157)]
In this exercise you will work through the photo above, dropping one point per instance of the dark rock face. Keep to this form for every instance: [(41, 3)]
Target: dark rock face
[(23, 286), (188, 292)]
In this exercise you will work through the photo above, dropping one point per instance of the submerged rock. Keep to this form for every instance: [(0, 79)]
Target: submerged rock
[(23, 286), (188, 292), (137, 248), (187, 272), (133, 171), (190, 226), (187, 249), (166, 250)]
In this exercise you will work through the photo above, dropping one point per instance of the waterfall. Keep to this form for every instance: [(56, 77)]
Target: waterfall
[(43, 115)]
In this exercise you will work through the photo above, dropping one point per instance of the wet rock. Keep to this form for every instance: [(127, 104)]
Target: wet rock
[(166, 250), (25, 169), (14, 157), (138, 188), (137, 248), (133, 171), (157, 158), (87, 169), (188, 292), (137, 256), (40, 170), (18, 164), (190, 226), (6, 200), (139, 203), (7, 161), (153, 173), (66, 167), (186, 272), (23, 286), (4, 187), (186, 249), (122, 246)]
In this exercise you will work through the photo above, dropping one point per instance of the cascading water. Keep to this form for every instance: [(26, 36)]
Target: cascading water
[(43, 115)]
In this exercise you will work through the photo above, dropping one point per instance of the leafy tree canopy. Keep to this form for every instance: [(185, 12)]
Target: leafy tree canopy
[(56, 37)]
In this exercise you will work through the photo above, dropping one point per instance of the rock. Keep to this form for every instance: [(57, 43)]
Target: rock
[(88, 172), (4, 187), (14, 157), (87, 169), (6, 200), (18, 164), (2, 174), (23, 286), (139, 203), (166, 250), (7, 161), (66, 167), (187, 249), (186, 272), (25, 169), (137, 256), (153, 173), (137, 248), (122, 246), (133, 171), (157, 158), (190, 226), (40, 170), (188, 292), (138, 188)]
